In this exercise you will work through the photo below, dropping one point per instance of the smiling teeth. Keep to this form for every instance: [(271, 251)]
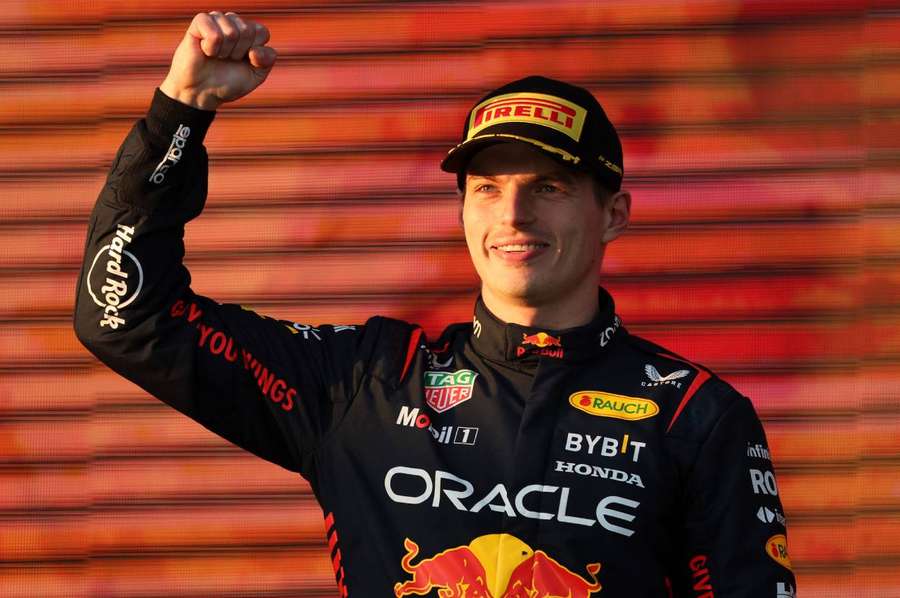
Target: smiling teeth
[(520, 247)]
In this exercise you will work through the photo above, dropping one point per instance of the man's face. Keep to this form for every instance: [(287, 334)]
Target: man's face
[(535, 230)]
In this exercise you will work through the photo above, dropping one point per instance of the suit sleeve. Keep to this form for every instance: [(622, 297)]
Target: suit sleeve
[(271, 387), (736, 538)]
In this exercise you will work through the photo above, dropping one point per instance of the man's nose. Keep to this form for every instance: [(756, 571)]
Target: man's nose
[(517, 205)]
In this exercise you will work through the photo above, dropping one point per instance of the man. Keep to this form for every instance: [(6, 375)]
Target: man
[(541, 450)]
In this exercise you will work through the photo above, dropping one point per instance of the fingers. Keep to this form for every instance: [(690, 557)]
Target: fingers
[(262, 57), (262, 35), (246, 33), (228, 36), (204, 28)]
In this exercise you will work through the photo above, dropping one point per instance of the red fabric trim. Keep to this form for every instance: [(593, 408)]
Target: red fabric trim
[(443, 348), (336, 562), (411, 351), (702, 376), (332, 541), (332, 534)]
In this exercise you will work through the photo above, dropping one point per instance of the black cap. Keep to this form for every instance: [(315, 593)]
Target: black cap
[(564, 120)]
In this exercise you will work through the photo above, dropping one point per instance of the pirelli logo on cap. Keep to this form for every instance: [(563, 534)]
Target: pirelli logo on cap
[(534, 108)]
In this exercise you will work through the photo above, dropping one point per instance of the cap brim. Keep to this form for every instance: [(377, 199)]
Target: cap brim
[(459, 156)]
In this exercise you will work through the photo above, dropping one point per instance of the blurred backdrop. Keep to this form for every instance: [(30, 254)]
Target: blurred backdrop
[(761, 147)]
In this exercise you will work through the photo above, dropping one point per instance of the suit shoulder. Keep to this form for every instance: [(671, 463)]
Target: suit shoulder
[(703, 396)]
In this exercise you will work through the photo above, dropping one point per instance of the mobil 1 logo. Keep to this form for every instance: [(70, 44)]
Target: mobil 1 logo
[(412, 417)]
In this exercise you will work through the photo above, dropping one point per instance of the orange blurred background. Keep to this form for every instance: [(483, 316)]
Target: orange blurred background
[(761, 147)]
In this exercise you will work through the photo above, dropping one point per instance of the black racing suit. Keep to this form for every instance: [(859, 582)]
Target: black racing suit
[(498, 460)]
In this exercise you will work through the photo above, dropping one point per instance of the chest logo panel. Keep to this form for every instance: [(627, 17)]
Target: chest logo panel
[(607, 404), (445, 390)]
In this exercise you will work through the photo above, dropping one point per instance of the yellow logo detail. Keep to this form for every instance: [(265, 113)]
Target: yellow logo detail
[(607, 404), (776, 547), (535, 108)]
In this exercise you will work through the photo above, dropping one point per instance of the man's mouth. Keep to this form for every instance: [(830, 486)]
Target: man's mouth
[(519, 251), (520, 247)]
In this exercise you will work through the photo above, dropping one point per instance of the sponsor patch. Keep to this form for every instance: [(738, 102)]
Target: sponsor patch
[(415, 486), (763, 482), (542, 344), (413, 418), (533, 108), (767, 515), (776, 547), (701, 579), (445, 390), (609, 332), (173, 154), (219, 343), (607, 404), (493, 565), (596, 471), (657, 379), (119, 282), (603, 445), (758, 451)]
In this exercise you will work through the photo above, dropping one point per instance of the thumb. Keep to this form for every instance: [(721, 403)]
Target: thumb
[(262, 58)]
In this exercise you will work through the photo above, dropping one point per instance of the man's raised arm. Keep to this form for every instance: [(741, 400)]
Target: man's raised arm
[(249, 378)]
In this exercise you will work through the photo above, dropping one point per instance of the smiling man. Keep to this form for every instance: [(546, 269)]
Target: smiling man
[(540, 450), (536, 232)]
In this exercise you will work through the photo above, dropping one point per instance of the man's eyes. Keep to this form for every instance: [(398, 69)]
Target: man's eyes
[(538, 188)]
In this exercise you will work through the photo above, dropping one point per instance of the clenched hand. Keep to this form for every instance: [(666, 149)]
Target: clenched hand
[(221, 58)]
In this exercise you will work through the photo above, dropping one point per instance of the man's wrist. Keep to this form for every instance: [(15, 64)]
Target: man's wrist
[(200, 101), (166, 115)]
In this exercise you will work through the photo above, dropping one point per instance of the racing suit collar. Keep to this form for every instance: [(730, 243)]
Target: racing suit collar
[(498, 340)]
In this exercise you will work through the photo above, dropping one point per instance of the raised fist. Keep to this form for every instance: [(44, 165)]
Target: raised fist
[(221, 58)]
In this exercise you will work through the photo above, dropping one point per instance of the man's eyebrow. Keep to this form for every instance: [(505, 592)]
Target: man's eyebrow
[(557, 175), (552, 174)]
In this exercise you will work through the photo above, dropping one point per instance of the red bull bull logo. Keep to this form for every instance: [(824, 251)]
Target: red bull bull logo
[(541, 339), (493, 566), (543, 344)]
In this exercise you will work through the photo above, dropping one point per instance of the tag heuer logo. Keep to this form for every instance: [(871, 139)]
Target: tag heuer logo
[(445, 390)]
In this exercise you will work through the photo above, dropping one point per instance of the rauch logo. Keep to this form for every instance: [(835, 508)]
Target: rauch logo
[(776, 547), (607, 404)]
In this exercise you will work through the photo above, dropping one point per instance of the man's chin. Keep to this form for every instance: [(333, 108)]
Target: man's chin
[(523, 292)]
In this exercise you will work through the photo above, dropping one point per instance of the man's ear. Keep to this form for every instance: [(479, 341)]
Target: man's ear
[(461, 196), (618, 213)]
